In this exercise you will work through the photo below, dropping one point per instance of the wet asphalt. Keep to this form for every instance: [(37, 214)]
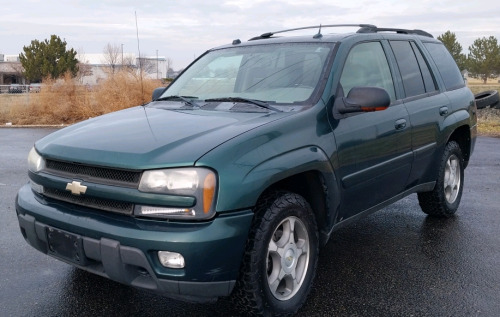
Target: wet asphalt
[(396, 262)]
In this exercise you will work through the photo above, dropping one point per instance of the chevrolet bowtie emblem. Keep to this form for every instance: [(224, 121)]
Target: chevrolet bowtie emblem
[(76, 188)]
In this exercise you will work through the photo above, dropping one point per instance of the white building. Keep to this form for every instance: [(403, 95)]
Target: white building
[(10, 71), (98, 66)]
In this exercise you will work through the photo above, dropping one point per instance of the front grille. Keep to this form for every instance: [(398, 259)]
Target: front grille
[(91, 202), (96, 174)]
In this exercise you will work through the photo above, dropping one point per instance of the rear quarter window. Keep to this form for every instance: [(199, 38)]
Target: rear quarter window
[(447, 67)]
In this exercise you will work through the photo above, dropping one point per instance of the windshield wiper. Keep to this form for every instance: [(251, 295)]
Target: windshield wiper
[(182, 98), (259, 103)]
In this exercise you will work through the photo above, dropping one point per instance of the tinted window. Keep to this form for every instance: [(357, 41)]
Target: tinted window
[(424, 68), (367, 65), (447, 67), (413, 82)]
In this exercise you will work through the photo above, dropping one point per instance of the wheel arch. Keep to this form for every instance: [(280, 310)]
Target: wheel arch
[(318, 189), (462, 136)]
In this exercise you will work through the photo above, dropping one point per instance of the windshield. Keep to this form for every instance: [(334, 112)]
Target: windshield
[(274, 73)]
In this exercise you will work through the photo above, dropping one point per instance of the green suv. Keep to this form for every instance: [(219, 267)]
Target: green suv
[(234, 176)]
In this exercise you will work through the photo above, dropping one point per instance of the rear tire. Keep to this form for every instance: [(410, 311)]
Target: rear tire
[(444, 200), (280, 257)]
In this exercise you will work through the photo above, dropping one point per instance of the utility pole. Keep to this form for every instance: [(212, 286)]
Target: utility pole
[(122, 55), (156, 64)]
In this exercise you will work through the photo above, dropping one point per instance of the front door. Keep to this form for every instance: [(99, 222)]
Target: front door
[(373, 148)]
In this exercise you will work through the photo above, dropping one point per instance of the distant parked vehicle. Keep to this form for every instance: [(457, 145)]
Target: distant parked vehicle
[(35, 88), (16, 89)]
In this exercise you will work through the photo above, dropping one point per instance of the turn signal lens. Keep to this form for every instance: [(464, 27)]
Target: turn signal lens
[(208, 192)]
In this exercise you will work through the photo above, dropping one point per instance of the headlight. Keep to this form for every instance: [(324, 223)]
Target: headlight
[(200, 183), (36, 163), (178, 181)]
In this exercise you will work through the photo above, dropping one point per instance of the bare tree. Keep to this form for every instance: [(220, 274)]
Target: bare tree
[(84, 67), (128, 62), (112, 56), (147, 64), (168, 64)]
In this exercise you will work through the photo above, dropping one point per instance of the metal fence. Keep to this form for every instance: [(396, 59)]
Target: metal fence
[(19, 89)]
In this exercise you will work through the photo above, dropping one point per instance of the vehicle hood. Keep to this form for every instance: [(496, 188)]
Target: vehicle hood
[(148, 137)]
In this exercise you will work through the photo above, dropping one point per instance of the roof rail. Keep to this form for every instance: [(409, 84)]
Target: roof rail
[(374, 29), (270, 34)]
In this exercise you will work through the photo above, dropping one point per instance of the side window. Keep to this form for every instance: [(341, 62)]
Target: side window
[(366, 65), (430, 84), (413, 82), (447, 67)]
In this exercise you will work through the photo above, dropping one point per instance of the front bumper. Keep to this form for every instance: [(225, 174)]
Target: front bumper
[(124, 249)]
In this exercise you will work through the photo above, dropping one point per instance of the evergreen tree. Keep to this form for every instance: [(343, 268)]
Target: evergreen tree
[(450, 41), (483, 60), (48, 58)]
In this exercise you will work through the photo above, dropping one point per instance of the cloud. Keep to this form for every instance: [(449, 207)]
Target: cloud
[(184, 29)]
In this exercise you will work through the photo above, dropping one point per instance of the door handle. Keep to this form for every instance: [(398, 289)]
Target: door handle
[(443, 111), (400, 124)]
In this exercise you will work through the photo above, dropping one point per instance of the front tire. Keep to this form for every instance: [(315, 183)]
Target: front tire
[(444, 200), (280, 258)]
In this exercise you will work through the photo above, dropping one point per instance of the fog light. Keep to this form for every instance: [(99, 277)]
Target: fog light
[(171, 260)]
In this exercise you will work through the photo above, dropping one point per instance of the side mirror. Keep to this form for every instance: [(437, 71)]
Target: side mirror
[(363, 99), (157, 92)]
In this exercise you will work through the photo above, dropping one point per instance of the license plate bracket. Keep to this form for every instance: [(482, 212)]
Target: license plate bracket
[(65, 245)]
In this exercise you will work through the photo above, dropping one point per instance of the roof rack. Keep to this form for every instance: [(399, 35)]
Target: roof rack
[(374, 29), (269, 34), (363, 28)]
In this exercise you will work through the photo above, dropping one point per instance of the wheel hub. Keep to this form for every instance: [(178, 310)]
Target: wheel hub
[(452, 179), (288, 261), (287, 258)]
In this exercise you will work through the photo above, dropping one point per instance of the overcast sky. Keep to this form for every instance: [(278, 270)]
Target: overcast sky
[(182, 30)]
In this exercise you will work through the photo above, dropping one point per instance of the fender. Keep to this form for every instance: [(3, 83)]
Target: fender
[(293, 163), (462, 117), (286, 165), (451, 123), (242, 190)]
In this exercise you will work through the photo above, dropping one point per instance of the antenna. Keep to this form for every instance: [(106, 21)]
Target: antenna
[(140, 62), (318, 35)]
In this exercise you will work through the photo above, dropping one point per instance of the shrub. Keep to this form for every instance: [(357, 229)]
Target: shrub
[(64, 101)]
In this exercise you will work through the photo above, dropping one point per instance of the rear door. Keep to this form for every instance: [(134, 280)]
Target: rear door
[(373, 148), (427, 107)]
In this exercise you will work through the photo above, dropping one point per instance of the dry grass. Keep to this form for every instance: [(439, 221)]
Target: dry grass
[(489, 122), (477, 88), (488, 119), (63, 101)]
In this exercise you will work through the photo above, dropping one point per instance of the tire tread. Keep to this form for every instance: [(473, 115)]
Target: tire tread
[(247, 294), (433, 202)]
